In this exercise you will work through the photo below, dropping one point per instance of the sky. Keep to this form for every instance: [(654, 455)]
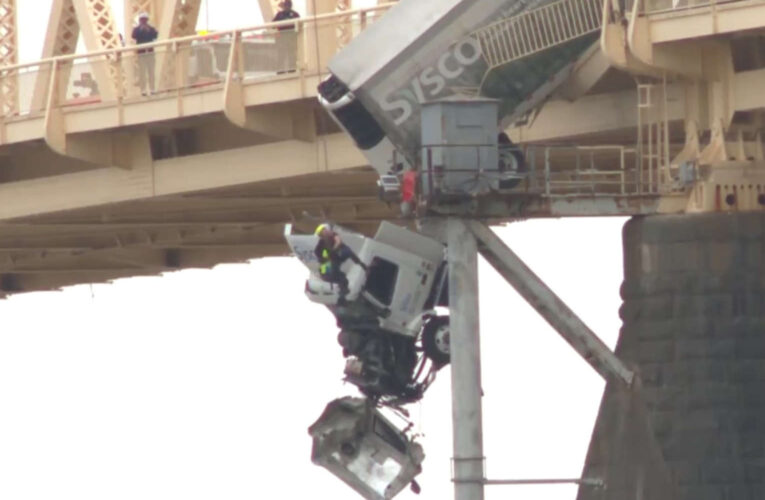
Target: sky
[(202, 383)]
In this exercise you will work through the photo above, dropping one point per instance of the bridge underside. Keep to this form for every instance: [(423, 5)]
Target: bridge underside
[(209, 168), (194, 230)]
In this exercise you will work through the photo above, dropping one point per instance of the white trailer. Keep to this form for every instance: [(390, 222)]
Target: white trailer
[(516, 51)]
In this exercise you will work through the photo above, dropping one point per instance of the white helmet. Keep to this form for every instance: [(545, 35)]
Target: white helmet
[(143, 15)]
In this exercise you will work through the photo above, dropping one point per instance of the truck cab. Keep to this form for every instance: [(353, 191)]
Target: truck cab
[(391, 321)]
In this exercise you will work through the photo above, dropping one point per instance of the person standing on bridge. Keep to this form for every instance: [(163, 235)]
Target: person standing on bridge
[(145, 33), (286, 39)]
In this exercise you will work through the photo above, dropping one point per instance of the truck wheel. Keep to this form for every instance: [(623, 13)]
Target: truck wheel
[(435, 340)]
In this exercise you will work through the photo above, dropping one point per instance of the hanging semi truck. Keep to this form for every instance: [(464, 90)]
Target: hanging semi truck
[(394, 335)]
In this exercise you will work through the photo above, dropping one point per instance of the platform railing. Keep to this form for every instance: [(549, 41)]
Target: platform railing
[(549, 170), (295, 48), (659, 6), (564, 170)]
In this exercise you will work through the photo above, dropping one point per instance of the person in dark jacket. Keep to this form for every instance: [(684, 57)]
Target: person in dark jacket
[(286, 38), (331, 252), (145, 33)]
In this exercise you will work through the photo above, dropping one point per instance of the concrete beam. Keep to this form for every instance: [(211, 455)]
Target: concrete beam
[(605, 113), (747, 90), (586, 73), (143, 259), (291, 121), (178, 175), (595, 114), (106, 148)]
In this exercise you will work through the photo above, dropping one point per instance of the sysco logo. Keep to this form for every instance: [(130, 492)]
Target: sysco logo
[(431, 81)]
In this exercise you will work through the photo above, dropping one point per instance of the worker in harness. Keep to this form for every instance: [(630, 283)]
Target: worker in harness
[(331, 252)]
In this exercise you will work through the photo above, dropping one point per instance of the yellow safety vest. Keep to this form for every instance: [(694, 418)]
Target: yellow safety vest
[(325, 266)]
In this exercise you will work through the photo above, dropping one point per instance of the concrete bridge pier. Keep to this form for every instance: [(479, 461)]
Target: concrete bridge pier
[(694, 327)]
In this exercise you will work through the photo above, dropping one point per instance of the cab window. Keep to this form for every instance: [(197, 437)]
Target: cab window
[(381, 281)]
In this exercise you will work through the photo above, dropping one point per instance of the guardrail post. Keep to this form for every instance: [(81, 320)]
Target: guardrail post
[(547, 171)]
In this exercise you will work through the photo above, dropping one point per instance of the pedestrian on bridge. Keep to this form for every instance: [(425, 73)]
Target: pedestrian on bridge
[(145, 33), (286, 39)]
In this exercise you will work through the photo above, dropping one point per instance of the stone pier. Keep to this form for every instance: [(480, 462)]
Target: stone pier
[(694, 328)]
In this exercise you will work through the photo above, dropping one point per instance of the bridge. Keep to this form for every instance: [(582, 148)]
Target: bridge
[(98, 181), (657, 109)]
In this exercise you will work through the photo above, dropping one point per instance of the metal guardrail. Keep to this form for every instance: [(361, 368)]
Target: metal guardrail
[(553, 170), (669, 6), (536, 30), (181, 65), (657, 6)]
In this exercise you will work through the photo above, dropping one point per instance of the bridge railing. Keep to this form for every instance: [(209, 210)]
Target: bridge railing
[(561, 170), (298, 47), (551, 170), (658, 6)]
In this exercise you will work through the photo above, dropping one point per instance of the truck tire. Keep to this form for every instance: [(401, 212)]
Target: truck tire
[(435, 340)]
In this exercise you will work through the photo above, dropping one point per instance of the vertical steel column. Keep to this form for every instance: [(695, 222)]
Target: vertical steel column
[(467, 419), (60, 40), (268, 9), (99, 31), (179, 19), (9, 55)]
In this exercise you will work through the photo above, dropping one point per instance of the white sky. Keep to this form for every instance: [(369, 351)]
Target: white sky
[(201, 384)]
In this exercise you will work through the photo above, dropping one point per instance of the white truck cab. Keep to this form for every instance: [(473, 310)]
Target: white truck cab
[(389, 323), (406, 271)]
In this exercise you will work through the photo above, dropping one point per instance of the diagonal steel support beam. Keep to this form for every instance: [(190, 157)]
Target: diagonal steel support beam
[(550, 306)]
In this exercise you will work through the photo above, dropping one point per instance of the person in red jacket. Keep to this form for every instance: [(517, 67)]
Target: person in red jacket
[(408, 193)]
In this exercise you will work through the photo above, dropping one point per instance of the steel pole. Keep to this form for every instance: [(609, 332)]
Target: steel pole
[(467, 420)]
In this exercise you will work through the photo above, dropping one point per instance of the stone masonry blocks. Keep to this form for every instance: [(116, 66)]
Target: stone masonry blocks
[(694, 328)]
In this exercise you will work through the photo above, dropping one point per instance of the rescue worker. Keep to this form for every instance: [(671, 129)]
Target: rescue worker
[(408, 192), (331, 252)]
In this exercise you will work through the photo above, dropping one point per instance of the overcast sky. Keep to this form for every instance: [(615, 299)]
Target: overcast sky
[(202, 384)]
